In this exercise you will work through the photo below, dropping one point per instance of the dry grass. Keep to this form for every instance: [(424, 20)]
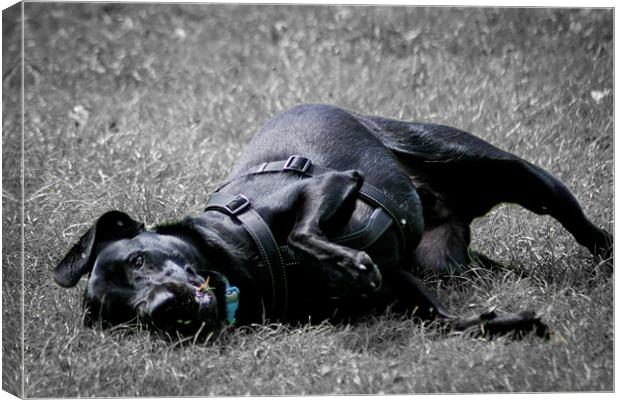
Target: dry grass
[(144, 108)]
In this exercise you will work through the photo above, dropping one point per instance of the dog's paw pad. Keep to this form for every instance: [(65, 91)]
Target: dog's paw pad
[(371, 275), (362, 271)]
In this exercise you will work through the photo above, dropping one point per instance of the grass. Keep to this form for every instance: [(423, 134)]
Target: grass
[(145, 107)]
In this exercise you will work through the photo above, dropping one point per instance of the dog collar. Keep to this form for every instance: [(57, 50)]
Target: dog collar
[(231, 300), (231, 294), (231, 297)]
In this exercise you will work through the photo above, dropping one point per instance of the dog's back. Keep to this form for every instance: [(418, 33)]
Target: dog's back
[(333, 138)]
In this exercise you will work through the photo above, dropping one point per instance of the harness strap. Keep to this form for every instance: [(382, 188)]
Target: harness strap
[(371, 194), (377, 224), (276, 258), (239, 208)]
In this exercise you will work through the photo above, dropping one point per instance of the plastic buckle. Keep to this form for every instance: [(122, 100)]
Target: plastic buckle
[(236, 205), (298, 164)]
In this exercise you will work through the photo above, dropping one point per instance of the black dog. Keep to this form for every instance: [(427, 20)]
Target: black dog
[(327, 213)]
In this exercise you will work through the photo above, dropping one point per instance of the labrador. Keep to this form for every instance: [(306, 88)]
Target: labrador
[(327, 214)]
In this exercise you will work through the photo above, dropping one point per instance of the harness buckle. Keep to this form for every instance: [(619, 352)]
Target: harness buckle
[(236, 205), (297, 164)]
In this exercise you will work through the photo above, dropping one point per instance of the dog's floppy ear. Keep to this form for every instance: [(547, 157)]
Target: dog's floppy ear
[(111, 226)]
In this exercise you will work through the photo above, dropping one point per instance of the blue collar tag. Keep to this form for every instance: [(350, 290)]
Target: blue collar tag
[(232, 303)]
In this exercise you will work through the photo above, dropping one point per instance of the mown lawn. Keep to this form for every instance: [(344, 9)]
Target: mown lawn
[(145, 107)]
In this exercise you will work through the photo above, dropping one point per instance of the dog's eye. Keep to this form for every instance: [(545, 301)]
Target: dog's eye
[(137, 261)]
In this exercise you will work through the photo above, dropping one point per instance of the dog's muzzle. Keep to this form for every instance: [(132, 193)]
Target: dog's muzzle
[(182, 308)]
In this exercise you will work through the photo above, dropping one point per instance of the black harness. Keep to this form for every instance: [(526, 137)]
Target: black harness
[(277, 258)]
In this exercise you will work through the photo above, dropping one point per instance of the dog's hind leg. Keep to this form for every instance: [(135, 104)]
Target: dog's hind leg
[(443, 248), (472, 176), (474, 186), (323, 200)]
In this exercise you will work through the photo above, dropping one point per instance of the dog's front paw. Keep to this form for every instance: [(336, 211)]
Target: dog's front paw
[(360, 271)]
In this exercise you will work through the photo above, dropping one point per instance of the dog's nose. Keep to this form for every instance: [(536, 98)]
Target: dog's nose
[(167, 304), (158, 298)]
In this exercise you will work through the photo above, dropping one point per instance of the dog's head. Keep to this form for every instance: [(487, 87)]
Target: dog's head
[(137, 275)]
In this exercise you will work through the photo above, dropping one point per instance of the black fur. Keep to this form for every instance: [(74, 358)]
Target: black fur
[(442, 177)]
